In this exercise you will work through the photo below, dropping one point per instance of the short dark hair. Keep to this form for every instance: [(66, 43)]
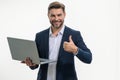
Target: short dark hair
[(56, 5)]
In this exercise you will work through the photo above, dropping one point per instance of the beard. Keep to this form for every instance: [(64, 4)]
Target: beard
[(57, 24)]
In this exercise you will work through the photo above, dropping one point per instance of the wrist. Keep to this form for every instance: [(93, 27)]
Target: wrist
[(75, 50)]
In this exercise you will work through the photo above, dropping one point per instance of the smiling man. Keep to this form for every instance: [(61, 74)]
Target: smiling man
[(60, 43)]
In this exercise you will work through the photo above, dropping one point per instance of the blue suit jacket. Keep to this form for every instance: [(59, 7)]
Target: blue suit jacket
[(65, 69)]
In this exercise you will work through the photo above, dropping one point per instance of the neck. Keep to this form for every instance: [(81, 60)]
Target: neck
[(55, 30)]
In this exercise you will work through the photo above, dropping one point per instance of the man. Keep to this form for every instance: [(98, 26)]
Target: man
[(59, 43)]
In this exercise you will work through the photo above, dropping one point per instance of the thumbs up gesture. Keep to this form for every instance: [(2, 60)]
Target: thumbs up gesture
[(70, 46)]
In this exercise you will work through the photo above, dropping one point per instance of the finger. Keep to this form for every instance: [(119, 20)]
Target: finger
[(22, 61), (65, 44), (28, 61), (70, 38)]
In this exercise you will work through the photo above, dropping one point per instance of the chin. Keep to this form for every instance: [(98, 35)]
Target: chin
[(57, 26)]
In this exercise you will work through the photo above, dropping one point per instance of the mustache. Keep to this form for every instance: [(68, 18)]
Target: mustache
[(56, 21)]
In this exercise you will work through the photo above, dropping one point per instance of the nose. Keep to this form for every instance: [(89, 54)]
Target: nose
[(56, 18)]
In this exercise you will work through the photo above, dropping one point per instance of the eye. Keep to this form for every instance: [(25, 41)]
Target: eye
[(52, 15), (59, 14)]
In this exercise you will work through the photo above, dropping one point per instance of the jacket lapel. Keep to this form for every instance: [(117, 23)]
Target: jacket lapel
[(46, 43), (64, 38)]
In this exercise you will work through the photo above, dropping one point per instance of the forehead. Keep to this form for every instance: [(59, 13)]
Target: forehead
[(56, 11)]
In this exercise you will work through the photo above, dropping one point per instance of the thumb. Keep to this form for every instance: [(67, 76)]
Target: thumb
[(70, 38)]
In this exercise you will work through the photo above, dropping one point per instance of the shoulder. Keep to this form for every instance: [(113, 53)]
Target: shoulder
[(76, 35), (71, 31), (42, 33)]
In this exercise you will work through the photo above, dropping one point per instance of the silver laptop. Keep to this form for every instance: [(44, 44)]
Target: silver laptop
[(20, 49)]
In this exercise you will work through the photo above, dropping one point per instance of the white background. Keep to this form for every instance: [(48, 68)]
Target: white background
[(98, 21)]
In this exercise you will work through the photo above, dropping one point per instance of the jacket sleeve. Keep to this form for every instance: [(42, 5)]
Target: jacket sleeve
[(84, 54), (34, 67)]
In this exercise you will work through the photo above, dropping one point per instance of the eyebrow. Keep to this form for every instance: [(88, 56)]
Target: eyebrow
[(57, 14)]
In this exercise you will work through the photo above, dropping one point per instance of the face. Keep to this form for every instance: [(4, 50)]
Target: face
[(56, 17)]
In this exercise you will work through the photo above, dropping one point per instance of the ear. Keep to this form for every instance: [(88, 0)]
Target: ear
[(48, 14), (64, 13)]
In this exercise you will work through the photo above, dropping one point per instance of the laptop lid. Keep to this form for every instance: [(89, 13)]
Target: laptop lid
[(20, 49)]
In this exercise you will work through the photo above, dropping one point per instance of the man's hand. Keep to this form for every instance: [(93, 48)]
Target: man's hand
[(28, 62), (70, 46)]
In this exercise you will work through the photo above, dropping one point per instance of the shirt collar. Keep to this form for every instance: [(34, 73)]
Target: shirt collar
[(60, 32)]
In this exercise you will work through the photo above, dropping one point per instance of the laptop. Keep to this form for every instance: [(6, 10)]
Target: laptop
[(21, 48)]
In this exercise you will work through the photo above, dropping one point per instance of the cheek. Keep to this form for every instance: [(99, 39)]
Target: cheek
[(51, 19), (59, 19)]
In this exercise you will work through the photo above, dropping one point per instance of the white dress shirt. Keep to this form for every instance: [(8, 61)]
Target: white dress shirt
[(54, 45)]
